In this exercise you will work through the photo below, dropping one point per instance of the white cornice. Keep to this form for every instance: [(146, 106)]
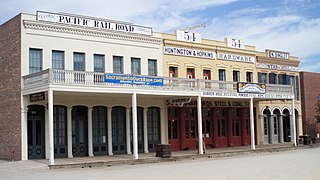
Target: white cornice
[(89, 32)]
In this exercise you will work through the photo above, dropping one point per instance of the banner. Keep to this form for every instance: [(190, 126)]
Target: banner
[(133, 79), (251, 88)]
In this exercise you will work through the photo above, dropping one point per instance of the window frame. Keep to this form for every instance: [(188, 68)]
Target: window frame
[(34, 58)]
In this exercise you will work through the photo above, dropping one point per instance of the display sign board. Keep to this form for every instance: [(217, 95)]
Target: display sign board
[(188, 36), (276, 67), (93, 23), (235, 57), (278, 54), (245, 95), (235, 43), (37, 97), (251, 88), (133, 79), (179, 101), (189, 52)]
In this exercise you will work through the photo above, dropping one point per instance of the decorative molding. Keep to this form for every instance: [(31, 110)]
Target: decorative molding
[(89, 32)]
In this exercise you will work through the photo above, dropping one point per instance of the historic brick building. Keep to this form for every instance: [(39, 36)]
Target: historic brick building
[(310, 96)]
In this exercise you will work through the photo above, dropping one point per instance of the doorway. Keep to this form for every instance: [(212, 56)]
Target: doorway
[(118, 130), (36, 132), (79, 131)]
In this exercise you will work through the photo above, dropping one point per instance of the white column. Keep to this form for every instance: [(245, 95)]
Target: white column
[(110, 131), (200, 125), (46, 134), (253, 146), (69, 130), (162, 126), (50, 108), (293, 122), (145, 130), (90, 143), (134, 126), (128, 131), (24, 125), (281, 129)]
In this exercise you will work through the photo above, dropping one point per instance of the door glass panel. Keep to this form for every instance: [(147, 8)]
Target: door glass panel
[(30, 133), (81, 132), (38, 132)]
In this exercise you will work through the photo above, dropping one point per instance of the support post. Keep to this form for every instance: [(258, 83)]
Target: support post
[(145, 130), (90, 142), (253, 146), (294, 133), (110, 132), (24, 128), (134, 126), (69, 129), (200, 125), (50, 108)]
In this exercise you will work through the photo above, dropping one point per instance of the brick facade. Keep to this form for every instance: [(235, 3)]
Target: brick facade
[(310, 90), (10, 89)]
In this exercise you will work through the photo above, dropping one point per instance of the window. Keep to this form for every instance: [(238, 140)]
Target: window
[(262, 77), (173, 72), (57, 59), (152, 67), (118, 64), (79, 61), (222, 75), (98, 63), (35, 60), (273, 78), (236, 76), (190, 73), (135, 66), (249, 76)]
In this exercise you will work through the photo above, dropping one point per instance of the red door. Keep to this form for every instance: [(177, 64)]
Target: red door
[(220, 127), (174, 128), (207, 76), (235, 129), (189, 132), (246, 132), (207, 127)]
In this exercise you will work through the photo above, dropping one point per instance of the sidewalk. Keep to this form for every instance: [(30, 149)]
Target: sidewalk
[(126, 159)]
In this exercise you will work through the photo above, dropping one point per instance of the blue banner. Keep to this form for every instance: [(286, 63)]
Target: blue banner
[(133, 79)]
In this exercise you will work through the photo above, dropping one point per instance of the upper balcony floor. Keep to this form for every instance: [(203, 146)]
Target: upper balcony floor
[(81, 81)]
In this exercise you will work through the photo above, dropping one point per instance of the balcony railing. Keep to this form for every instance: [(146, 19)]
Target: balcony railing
[(67, 77)]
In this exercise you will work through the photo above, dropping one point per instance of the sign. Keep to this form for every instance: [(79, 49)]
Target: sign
[(213, 104), (133, 79), (93, 23), (276, 67), (235, 43), (188, 36), (245, 95), (189, 52), (234, 57), (278, 55), (179, 101), (37, 97), (251, 88)]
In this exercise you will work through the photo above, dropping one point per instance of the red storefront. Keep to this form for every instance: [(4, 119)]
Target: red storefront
[(224, 126)]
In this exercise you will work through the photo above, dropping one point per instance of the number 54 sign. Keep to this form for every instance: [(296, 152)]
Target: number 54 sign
[(235, 43), (188, 36)]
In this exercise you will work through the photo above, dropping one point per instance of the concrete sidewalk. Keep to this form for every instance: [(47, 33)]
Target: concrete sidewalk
[(116, 160)]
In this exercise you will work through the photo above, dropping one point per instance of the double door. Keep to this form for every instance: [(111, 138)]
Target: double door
[(80, 131), (36, 132)]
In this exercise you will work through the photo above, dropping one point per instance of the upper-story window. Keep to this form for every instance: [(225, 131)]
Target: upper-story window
[(135, 66), (272, 78), (118, 64), (152, 67), (58, 59), (98, 62), (236, 76), (79, 61), (262, 77), (173, 71), (190, 73), (249, 77), (222, 75), (35, 60)]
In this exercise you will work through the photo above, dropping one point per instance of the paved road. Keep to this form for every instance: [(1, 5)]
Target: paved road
[(299, 164)]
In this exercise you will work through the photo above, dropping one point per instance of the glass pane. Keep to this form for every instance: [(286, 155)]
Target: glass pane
[(57, 59), (152, 67), (135, 66), (99, 61), (118, 64), (35, 60), (79, 61), (38, 132)]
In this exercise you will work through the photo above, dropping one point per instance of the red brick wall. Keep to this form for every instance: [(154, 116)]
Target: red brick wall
[(10, 89), (310, 89)]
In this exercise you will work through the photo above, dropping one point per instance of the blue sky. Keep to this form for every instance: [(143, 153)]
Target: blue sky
[(287, 25)]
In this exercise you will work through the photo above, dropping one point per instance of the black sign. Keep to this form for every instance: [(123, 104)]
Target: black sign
[(37, 97)]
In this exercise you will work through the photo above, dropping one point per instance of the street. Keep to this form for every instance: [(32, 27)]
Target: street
[(299, 164)]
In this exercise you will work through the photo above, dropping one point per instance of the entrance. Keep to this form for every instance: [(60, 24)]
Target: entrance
[(60, 131), (189, 127), (99, 130), (286, 126), (174, 128), (221, 119), (79, 131), (153, 122), (266, 126), (36, 132), (119, 130), (139, 127), (235, 132)]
